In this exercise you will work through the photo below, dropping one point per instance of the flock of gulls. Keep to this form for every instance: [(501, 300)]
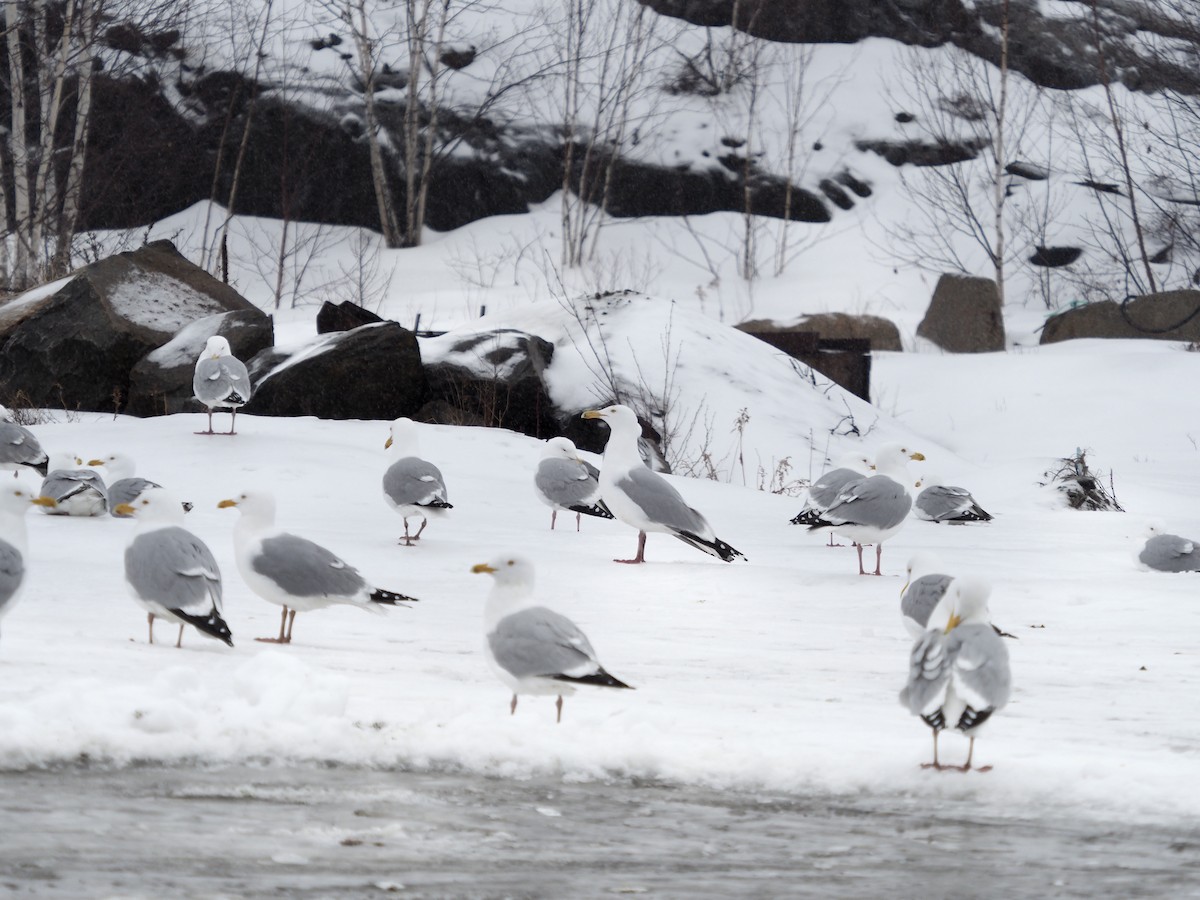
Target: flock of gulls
[(958, 672)]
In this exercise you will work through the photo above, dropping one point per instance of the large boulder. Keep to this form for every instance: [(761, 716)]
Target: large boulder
[(371, 372), (964, 315), (161, 383), (882, 333), (492, 378), (73, 343), (1169, 316), (343, 317)]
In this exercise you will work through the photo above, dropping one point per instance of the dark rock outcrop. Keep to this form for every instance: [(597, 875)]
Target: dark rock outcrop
[(76, 346), (372, 372), (1168, 316), (161, 383), (964, 315), (1054, 257), (343, 317)]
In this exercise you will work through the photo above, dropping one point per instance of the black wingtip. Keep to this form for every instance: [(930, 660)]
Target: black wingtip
[(42, 468), (806, 517), (599, 679), (599, 510), (437, 504), (390, 598), (716, 547), (212, 625)]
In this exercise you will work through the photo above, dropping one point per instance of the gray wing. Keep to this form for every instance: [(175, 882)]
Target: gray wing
[(928, 675), (18, 446), (566, 483), (922, 596), (661, 503), (979, 669), (12, 573), (63, 483), (941, 502), (593, 472), (1171, 553), (221, 382), (539, 641), (173, 567), (126, 491), (305, 569), (412, 481), (824, 491), (878, 501)]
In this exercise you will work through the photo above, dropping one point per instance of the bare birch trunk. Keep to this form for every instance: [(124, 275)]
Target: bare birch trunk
[(22, 206), (383, 194), (998, 153)]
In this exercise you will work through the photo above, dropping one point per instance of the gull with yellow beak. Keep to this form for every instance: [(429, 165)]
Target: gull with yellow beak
[(824, 491), (220, 381), (644, 499), (872, 509), (76, 491), (170, 571), (15, 501), (412, 486), (292, 571), (532, 649), (958, 670)]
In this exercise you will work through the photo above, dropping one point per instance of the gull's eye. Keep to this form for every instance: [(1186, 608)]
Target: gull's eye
[(145, 503), (512, 562)]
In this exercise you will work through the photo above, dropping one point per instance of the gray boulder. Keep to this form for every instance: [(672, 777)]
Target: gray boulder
[(1168, 316), (74, 343), (370, 372), (964, 315), (161, 383)]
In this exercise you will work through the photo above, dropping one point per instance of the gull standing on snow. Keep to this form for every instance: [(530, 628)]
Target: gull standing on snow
[(958, 670), (19, 449), (939, 502), (824, 491), (14, 503), (75, 491), (565, 481), (1170, 552), (871, 510), (644, 499), (292, 571), (532, 649), (170, 571), (923, 591), (220, 380), (412, 486)]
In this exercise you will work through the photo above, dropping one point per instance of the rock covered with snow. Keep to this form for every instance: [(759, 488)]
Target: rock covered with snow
[(161, 383), (75, 346)]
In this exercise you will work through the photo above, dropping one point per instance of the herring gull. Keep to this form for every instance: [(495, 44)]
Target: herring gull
[(531, 648), (939, 502), (292, 571), (958, 669), (411, 485), (14, 503), (872, 509), (566, 481), (927, 584), (19, 449), (1170, 552), (170, 571), (76, 491), (220, 381), (824, 491), (644, 499), (122, 485)]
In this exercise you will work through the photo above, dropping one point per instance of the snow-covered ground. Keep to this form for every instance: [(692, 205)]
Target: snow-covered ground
[(780, 672)]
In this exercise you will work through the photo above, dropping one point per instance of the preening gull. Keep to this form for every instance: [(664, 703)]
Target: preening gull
[(19, 449), (824, 491), (643, 498), (532, 649), (412, 486), (220, 381), (292, 571), (14, 503), (871, 510), (1170, 552), (565, 481), (958, 670), (170, 571), (938, 502), (927, 584), (75, 491)]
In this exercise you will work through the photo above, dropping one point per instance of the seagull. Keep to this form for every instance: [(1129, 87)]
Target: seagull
[(170, 571), (221, 380), (824, 491), (292, 571), (412, 486), (76, 491), (565, 481), (1170, 552), (958, 670), (940, 502), (532, 649), (14, 503), (19, 449), (872, 509), (122, 486), (644, 499), (924, 589)]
